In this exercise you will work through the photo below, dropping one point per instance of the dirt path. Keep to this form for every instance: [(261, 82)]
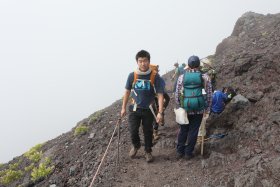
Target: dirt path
[(166, 170)]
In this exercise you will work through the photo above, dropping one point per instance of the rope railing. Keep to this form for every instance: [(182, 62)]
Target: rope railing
[(106, 151)]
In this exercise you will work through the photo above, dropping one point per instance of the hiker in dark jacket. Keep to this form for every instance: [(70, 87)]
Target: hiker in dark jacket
[(144, 84), (189, 96)]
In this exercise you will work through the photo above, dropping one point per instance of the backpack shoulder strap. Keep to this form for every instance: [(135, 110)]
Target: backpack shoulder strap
[(135, 78), (153, 77), (152, 80), (184, 76)]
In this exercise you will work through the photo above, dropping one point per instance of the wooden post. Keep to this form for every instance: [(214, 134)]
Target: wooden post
[(203, 132), (202, 144)]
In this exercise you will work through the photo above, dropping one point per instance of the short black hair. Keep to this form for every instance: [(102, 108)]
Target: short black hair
[(143, 54)]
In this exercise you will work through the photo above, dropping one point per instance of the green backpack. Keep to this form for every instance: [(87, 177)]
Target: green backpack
[(192, 98)]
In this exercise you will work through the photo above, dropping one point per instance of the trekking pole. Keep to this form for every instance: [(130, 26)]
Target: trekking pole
[(118, 156), (152, 110)]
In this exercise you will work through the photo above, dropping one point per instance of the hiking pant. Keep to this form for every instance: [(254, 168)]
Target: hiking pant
[(188, 134), (134, 121)]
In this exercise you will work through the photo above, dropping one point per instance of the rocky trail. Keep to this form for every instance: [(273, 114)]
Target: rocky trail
[(166, 170)]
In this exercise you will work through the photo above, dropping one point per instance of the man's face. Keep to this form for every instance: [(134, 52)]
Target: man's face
[(143, 64)]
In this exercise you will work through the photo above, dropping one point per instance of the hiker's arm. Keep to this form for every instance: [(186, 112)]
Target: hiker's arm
[(128, 87), (125, 100), (166, 100), (160, 102), (160, 107), (159, 87)]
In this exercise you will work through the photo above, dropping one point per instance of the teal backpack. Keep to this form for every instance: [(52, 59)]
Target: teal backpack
[(192, 99)]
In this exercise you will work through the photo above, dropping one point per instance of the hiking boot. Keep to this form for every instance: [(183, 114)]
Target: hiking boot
[(133, 152), (149, 157), (179, 156), (188, 157), (156, 135)]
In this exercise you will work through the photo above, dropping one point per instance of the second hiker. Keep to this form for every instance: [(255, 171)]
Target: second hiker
[(189, 96)]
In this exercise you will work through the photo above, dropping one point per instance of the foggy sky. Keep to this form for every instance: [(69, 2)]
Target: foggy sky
[(61, 60)]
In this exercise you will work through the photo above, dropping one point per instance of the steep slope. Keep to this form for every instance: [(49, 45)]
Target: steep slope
[(249, 155), (249, 60)]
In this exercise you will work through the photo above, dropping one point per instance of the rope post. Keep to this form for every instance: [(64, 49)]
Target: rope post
[(202, 145), (203, 132)]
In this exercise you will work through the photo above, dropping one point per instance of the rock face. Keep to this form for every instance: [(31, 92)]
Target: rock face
[(249, 60), (247, 155)]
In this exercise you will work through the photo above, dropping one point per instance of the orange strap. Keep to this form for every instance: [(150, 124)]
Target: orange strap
[(153, 77), (135, 78)]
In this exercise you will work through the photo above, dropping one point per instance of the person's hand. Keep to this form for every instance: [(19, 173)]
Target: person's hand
[(123, 112), (159, 118), (206, 115)]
